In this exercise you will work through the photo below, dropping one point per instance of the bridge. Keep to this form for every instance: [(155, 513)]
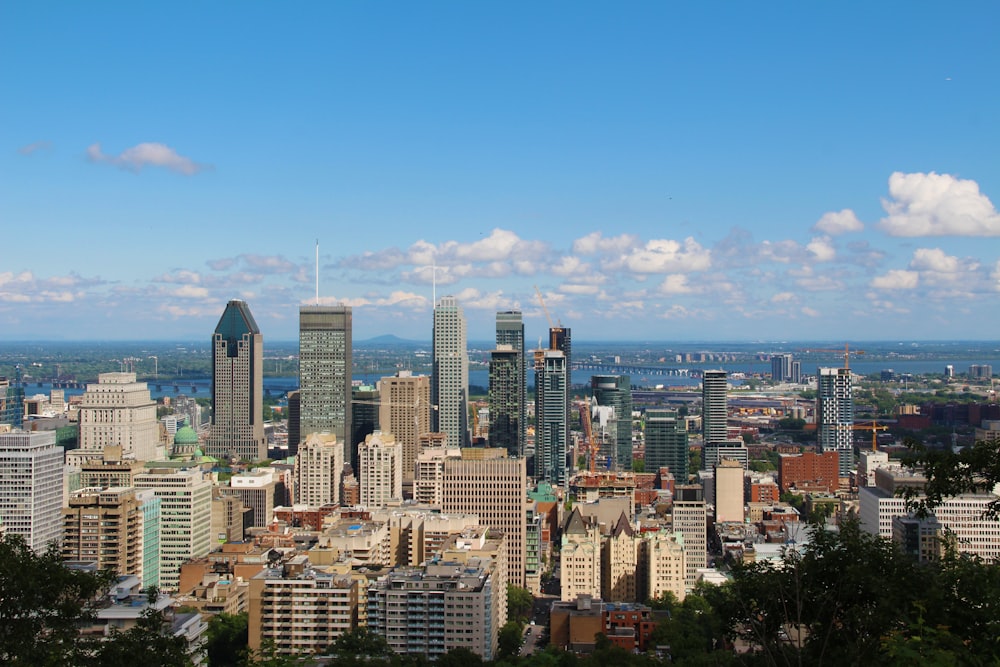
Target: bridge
[(632, 370)]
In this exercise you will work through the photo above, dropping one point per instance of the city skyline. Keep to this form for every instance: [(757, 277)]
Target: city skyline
[(659, 172)]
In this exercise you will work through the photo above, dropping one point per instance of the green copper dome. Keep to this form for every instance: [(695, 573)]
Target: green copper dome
[(186, 436)]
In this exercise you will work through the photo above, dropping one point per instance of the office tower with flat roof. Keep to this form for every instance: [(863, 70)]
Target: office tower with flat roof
[(450, 378), (319, 468), (667, 443), (404, 409), (714, 411), (31, 492), (185, 518), (505, 399), (835, 415), (510, 331), (615, 391), (118, 411), (325, 373), (109, 527), (237, 430), (781, 367), (551, 417), (380, 460), (364, 419), (690, 519), (493, 486), (12, 400)]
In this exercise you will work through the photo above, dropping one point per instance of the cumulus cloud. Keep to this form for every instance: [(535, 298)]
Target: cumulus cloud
[(666, 256), (182, 276), (822, 249), (896, 279), (783, 297), (675, 283), (35, 147), (933, 259), (571, 288), (838, 222), (937, 205), (595, 243), (149, 154), (190, 292)]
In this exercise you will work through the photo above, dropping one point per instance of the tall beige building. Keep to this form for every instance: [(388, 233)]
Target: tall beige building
[(619, 563), (237, 430), (580, 558), (663, 558), (428, 477), (185, 518), (319, 468), (380, 459), (106, 527), (117, 411), (301, 609), (405, 411), (690, 516), (729, 491), (487, 483), (257, 490)]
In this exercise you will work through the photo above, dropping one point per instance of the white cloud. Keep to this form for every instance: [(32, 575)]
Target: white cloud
[(896, 279), (570, 288), (937, 205), (148, 154), (783, 297), (666, 256), (35, 147), (810, 312), (595, 242), (190, 292), (675, 283), (822, 249), (933, 259), (838, 222)]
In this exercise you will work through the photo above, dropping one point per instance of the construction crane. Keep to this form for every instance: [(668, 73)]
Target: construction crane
[(874, 427), (593, 447), (544, 309), (847, 352)]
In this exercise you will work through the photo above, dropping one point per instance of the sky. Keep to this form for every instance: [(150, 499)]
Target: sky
[(656, 170)]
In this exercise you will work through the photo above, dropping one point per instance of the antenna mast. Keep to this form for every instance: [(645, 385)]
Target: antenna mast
[(317, 272)]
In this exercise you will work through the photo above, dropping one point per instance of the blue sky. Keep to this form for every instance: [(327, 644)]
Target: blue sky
[(705, 171)]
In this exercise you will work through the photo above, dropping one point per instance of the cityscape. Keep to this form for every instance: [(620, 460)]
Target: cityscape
[(499, 334), (555, 511)]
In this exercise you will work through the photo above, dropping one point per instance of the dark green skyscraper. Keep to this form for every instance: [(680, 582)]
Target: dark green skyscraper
[(616, 391), (667, 443)]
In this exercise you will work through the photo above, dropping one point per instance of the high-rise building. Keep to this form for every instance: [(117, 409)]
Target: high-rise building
[(714, 411), (404, 409), (325, 373), (690, 519), (491, 485), (185, 518), (260, 490), (319, 467), (31, 491), (450, 378), (12, 400), (560, 339), (109, 528), (835, 415), (551, 416), (380, 460), (117, 411), (667, 443), (729, 491), (505, 399), (615, 391), (364, 419), (510, 331), (580, 557), (237, 430), (781, 367)]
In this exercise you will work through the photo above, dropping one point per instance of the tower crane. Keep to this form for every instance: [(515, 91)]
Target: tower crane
[(874, 427), (593, 447), (847, 352)]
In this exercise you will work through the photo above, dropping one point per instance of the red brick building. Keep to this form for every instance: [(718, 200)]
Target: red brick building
[(809, 472)]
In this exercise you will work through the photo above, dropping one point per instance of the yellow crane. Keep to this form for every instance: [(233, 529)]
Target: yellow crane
[(874, 427), (847, 352), (593, 447)]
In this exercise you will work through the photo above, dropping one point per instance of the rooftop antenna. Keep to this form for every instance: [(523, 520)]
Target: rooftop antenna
[(434, 286), (317, 272)]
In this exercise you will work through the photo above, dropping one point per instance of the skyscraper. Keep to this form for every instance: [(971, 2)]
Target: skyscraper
[(781, 367), (404, 409), (551, 417), (325, 373), (31, 492), (237, 429), (119, 412), (319, 466), (380, 460), (560, 339), (510, 331), (667, 443), (450, 378), (835, 415), (714, 411), (505, 404), (615, 391)]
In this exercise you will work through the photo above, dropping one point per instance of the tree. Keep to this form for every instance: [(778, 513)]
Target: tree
[(44, 603), (974, 469), (509, 640), (362, 642), (226, 640), (519, 603)]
